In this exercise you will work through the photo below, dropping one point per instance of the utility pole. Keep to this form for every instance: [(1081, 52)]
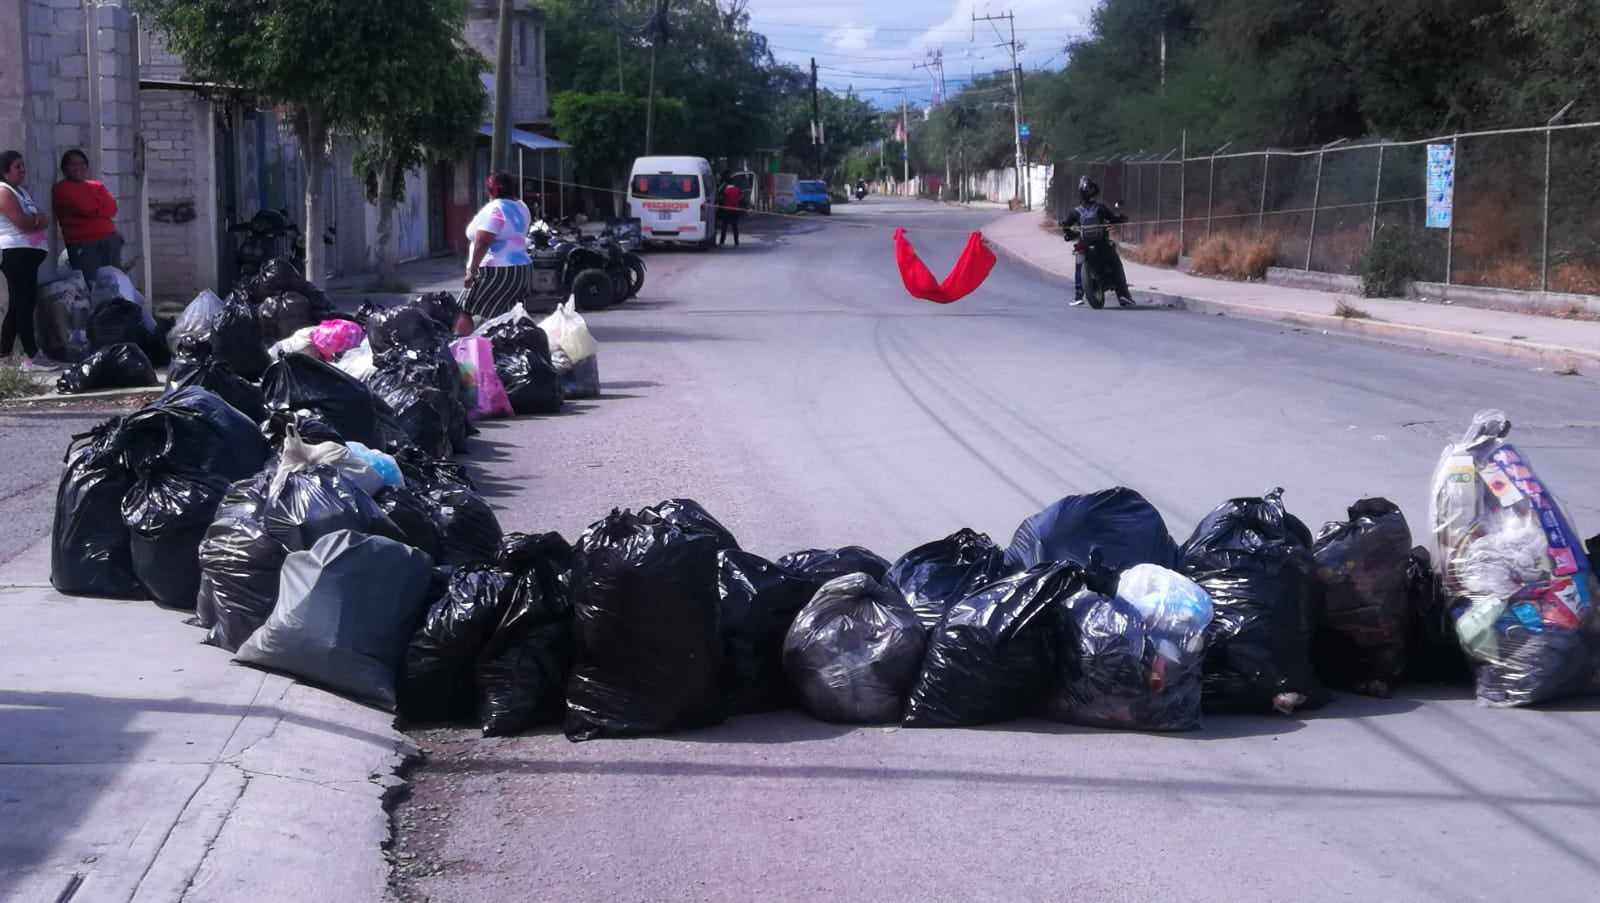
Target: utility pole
[(816, 118), (935, 67), (1016, 95), (502, 92), (659, 34), (905, 146)]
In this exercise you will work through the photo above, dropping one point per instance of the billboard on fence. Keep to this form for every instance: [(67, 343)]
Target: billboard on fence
[(1441, 184)]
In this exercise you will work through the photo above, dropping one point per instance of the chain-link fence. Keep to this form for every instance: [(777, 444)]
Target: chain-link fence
[(1510, 208)]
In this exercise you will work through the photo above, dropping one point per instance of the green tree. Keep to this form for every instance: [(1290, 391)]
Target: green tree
[(606, 130), (328, 63)]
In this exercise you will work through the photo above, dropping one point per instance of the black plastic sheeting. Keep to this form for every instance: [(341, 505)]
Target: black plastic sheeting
[(436, 684), (120, 366), (346, 609), (854, 651), (523, 668), (1126, 528), (649, 653), (993, 655), (690, 516), (1254, 559), (823, 565), (759, 603), (937, 575), (89, 544), (301, 382), (1360, 628)]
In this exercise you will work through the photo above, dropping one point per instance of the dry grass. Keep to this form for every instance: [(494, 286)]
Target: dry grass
[(1160, 250), (1343, 308), (1503, 273), (1235, 256), (1575, 278), (16, 384)]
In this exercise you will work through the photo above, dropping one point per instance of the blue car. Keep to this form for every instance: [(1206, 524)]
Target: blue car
[(813, 195)]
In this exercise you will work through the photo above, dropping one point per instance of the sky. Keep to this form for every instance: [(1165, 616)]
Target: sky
[(872, 46)]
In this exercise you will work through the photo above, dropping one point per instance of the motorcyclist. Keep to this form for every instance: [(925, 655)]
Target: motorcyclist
[(861, 188), (1090, 218)]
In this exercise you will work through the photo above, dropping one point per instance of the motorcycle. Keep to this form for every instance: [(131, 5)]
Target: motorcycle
[(564, 264), (1096, 255), (861, 191)]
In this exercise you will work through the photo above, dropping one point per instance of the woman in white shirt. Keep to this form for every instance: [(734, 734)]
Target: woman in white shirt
[(499, 270), (23, 239)]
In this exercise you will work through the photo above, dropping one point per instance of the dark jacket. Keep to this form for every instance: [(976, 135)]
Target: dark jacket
[(1092, 220)]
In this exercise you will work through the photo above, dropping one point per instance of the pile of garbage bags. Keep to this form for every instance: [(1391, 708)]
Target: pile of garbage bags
[(327, 543)]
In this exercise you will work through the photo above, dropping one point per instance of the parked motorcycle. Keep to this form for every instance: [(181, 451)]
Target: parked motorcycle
[(565, 265)]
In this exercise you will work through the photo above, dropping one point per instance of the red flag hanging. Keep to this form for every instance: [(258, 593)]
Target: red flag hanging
[(969, 272)]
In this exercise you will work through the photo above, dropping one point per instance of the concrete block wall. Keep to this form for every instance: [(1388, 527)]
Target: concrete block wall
[(169, 123), (530, 100)]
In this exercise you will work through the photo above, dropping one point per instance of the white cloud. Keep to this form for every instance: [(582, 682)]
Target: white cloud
[(851, 37)]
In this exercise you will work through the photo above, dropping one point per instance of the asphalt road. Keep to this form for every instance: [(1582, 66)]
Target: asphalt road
[(795, 390)]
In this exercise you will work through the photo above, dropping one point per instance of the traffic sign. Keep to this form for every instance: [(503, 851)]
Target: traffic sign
[(1023, 130)]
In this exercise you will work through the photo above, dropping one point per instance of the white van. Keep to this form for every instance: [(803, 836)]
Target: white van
[(674, 199)]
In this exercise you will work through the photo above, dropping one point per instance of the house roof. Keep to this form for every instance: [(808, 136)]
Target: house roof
[(526, 139)]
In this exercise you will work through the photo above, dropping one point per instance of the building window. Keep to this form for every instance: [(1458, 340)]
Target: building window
[(522, 43)]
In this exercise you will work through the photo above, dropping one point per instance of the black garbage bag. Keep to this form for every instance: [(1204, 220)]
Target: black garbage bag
[(823, 565), (993, 655), (523, 669), (118, 322), (854, 651), (759, 602), (469, 532), (347, 608), (649, 655), (236, 340), (436, 684), (424, 392), (301, 382), (1254, 559), (280, 275), (121, 366), (1126, 528), (1132, 652), (937, 575), (281, 422), (1360, 629), (518, 334), (214, 376), (284, 314), (315, 502), (689, 516), (415, 516), (239, 565), (192, 353), (407, 328), (1433, 653), (425, 473), (581, 380), (532, 384), (89, 543), (442, 307), (167, 512), (195, 429)]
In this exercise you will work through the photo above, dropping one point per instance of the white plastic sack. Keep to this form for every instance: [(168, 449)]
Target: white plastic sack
[(197, 320), (111, 284), (358, 361), (569, 333), (61, 317), (1175, 609), (299, 455), (298, 343)]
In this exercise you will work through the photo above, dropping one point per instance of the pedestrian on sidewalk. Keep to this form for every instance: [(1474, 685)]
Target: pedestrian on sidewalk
[(23, 239), (729, 208), (499, 270), (86, 213)]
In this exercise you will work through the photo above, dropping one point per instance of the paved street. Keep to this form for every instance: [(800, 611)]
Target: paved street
[(795, 390)]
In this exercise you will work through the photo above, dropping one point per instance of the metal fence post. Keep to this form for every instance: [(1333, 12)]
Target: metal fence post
[(1211, 190), (1450, 235), (1316, 199), (1261, 216), (1377, 194), (1544, 252), (1159, 167), (1183, 186)]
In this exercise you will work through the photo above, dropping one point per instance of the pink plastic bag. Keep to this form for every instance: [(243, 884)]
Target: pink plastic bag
[(334, 337), (481, 389)]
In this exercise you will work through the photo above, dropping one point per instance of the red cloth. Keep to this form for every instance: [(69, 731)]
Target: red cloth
[(84, 209), (969, 272), (731, 197)]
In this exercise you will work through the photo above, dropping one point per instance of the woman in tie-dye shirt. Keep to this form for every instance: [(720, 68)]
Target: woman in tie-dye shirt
[(499, 271)]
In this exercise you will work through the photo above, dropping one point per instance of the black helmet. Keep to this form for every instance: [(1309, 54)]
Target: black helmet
[(1088, 190)]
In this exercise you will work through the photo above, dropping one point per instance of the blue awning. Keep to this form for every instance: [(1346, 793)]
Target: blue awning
[(527, 139)]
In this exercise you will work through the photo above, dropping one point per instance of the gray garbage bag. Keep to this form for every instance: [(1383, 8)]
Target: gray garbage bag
[(854, 651), (346, 610)]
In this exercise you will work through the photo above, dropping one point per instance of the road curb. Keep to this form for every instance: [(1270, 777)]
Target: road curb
[(1552, 356)]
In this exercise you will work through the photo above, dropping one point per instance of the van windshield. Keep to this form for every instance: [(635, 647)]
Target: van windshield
[(666, 185)]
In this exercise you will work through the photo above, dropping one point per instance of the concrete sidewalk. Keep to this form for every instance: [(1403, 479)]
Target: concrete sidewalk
[(1550, 342), (138, 765)]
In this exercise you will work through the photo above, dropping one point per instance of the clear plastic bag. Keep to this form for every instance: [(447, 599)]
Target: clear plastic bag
[(1515, 575)]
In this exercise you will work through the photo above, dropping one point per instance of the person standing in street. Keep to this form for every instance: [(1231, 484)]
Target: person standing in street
[(23, 239), (86, 213), (499, 270), (729, 208)]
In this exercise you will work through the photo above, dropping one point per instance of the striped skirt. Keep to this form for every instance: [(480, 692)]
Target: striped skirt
[(497, 290)]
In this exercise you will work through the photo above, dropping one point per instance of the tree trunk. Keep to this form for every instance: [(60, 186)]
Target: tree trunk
[(383, 250), (313, 127)]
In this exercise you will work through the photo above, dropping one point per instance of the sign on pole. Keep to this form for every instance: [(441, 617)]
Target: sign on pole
[(1441, 185), (1024, 132)]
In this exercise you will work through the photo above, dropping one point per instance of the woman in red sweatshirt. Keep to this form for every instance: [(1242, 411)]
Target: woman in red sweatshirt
[(86, 212)]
